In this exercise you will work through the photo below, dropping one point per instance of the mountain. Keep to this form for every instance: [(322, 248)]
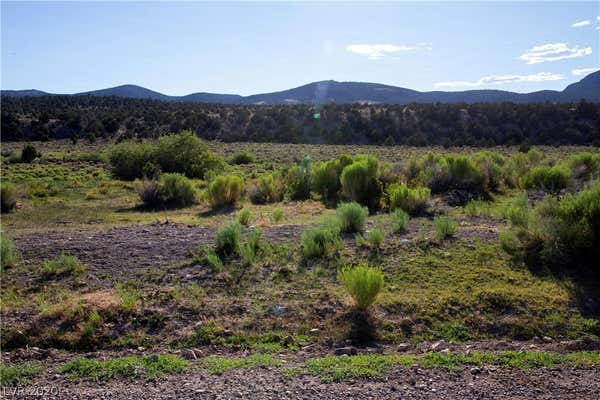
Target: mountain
[(352, 92), (23, 93), (131, 91), (587, 88)]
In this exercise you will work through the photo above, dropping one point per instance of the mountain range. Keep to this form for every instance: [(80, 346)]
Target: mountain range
[(352, 92)]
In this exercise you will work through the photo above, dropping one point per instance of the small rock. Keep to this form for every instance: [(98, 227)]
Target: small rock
[(141, 348), (189, 354), (345, 351), (445, 351), (547, 339), (439, 345), (314, 331), (475, 370), (288, 340), (402, 347)]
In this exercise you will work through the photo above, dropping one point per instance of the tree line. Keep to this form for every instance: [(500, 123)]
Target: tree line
[(480, 124)]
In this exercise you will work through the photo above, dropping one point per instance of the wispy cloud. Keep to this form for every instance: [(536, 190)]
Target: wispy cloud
[(578, 24), (501, 80), (584, 71), (553, 52), (377, 51)]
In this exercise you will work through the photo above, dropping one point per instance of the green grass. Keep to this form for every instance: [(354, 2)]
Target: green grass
[(338, 369), (219, 365), (63, 265), (148, 367), (373, 366), (11, 375)]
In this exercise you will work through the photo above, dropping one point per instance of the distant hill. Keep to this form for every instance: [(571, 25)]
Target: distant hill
[(354, 92), (129, 91), (23, 93)]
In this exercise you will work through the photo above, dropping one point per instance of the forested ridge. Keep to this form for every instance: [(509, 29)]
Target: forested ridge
[(479, 124)]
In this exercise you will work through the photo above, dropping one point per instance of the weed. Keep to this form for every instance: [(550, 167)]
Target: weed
[(225, 190), (363, 283), (320, 241), (413, 201), (244, 216), (8, 197), (352, 217), (63, 265), (277, 215), (444, 227), (227, 242), (9, 255), (400, 220)]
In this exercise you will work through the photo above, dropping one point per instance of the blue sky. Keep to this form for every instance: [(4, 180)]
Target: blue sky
[(246, 48)]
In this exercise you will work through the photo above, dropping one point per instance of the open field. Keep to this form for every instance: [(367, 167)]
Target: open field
[(101, 276)]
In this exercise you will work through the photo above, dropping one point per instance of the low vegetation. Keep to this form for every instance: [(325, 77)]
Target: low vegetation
[(147, 367), (13, 375), (363, 283), (352, 217), (445, 227)]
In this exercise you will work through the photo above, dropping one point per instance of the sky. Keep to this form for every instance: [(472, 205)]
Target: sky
[(247, 48)]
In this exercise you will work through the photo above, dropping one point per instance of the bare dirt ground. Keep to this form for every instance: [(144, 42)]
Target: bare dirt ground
[(123, 251), (402, 383)]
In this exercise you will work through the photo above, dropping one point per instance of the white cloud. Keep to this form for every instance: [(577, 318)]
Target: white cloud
[(501, 80), (584, 71), (377, 51), (581, 23), (553, 52)]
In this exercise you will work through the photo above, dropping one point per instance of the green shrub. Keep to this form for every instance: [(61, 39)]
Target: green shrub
[(8, 197), (551, 179), (478, 208), (360, 181), (128, 159), (321, 241), (400, 220), (177, 190), (225, 190), (173, 190), (29, 153), (569, 231), (187, 154), (518, 212), (266, 189), (491, 165), (585, 165), (9, 253), (373, 238), (352, 217), (214, 261), (242, 157), (325, 179), (298, 180), (64, 264), (447, 172), (244, 216), (277, 216), (149, 193), (227, 242), (562, 235), (444, 227), (413, 201), (363, 284), (248, 251)]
